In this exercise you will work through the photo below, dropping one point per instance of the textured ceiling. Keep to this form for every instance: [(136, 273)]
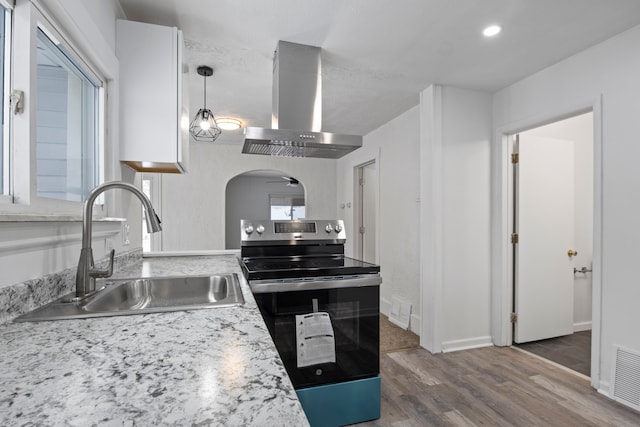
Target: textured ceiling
[(377, 54)]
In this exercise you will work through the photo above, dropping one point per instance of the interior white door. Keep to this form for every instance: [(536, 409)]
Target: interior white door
[(367, 197), (545, 225)]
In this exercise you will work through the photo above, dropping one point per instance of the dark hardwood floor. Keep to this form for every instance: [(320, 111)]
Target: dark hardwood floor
[(491, 386), (572, 351)]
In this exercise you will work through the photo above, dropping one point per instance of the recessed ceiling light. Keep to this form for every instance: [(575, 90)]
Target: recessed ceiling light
[(227, 123), (492, 30)]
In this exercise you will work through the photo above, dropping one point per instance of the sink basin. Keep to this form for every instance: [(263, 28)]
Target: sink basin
[(145, 295), (162, 293)]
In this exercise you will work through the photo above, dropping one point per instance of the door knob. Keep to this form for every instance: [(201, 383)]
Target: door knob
[(571, 252)]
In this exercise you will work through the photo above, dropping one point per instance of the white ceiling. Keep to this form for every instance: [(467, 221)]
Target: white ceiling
[(377, 54)]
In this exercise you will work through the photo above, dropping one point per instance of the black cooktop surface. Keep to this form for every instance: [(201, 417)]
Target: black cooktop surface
[(261, 268)]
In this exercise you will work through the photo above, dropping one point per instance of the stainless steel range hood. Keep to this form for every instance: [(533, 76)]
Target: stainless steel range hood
[(297, 110)]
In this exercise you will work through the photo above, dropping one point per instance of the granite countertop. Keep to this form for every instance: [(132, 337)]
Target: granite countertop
[(200, 367)]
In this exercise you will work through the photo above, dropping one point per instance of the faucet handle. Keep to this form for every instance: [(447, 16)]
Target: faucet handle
[(106, 272)]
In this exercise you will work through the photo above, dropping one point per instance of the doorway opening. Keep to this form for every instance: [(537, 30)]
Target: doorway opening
[(552, 240), (366, 196), (261, 194)]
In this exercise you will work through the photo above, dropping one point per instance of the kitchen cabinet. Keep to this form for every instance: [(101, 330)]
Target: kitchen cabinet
[(153, 111)]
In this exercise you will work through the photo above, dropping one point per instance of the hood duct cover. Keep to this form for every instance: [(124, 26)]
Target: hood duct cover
[(297, 110)]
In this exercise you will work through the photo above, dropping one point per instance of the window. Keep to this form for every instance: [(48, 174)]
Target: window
[(286, 207), (5, 28), (67, 124), (56, 142), (152, 188)]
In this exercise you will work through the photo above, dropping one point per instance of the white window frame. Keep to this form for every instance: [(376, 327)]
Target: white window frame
[(28, 16), (5, 191)]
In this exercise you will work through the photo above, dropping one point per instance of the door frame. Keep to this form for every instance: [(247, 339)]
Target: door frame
[(502, 224)]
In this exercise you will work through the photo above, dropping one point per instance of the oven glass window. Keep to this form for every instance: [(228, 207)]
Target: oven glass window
[(354, 315)]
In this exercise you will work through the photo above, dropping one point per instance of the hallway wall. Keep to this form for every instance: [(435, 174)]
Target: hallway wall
[(394, 146), (201, 226), (455, 218)]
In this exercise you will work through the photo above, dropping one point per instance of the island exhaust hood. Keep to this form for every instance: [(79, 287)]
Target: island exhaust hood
[(296, 118)]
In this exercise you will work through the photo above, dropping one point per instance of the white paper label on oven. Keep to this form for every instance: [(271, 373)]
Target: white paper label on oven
[(314, 339)]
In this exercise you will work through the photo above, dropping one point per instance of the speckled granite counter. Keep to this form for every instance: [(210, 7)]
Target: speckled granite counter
[(200, 367)]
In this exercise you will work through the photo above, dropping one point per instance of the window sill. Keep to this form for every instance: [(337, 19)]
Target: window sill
[(36, 232), (49, 217)]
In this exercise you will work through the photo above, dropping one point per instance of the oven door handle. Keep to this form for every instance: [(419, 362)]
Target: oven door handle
[(268, 286)]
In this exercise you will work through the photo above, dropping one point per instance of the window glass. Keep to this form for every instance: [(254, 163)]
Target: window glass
[(67, 112), (146, 236), (4, 62), (151, 187), (283, 207)]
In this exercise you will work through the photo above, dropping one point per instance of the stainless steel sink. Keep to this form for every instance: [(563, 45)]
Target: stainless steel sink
[(120, 297)]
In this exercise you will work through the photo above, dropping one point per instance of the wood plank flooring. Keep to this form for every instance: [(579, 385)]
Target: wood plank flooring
[(572, 351), (492, 386)]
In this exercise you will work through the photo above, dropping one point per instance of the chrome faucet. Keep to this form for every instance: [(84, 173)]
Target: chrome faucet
[(87, 273)]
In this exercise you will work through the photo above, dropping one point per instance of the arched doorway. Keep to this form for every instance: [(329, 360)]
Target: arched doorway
[(261, 194)]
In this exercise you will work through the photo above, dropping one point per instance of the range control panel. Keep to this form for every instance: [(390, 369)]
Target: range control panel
[(292, 230)]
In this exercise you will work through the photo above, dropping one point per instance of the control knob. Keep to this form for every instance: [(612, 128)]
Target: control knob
[(328, 228), (260, 229), (338, 228), (248, 229)]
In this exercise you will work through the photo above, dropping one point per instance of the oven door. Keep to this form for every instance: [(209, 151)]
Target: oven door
[(354, 316)]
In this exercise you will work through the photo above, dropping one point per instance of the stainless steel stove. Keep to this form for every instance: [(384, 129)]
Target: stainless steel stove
[(322, 310)]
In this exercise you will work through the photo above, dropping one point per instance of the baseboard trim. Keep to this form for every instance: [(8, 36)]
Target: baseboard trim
[(385, 306), (582, 326), (604, 388), (414, 326), (466, 344)]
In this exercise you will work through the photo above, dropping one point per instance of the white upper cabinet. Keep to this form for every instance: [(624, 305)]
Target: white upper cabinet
[(154, 116)]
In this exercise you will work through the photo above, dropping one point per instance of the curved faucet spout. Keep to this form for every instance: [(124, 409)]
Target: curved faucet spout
[(87, 273)]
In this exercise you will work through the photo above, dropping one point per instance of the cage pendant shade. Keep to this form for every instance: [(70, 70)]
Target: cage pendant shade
[(203, 127)]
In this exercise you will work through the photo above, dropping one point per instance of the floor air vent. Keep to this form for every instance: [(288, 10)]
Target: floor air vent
[(400, 313), (626, 377)]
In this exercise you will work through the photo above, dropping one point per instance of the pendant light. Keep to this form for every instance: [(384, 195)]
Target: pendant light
[(203, 127)]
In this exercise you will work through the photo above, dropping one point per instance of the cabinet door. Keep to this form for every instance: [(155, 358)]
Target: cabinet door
[(151, 110)]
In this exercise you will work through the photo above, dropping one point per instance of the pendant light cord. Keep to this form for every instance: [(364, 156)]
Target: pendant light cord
[(205, 92)]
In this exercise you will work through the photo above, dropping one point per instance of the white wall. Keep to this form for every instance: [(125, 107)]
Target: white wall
[(608, 71), (579, 129), (101, 12), (455, 222), (193, 204), (394, 147)]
